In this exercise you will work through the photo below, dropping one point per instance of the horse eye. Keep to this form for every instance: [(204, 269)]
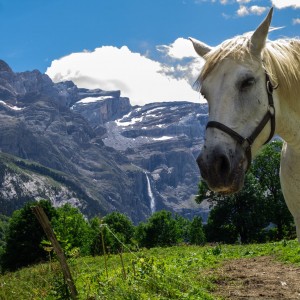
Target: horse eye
[(247, 83)]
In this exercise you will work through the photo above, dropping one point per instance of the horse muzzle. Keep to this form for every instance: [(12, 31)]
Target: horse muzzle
[(223, 171)]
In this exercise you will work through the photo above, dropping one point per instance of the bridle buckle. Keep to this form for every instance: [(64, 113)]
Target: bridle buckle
[(271, 109), (246, 143)]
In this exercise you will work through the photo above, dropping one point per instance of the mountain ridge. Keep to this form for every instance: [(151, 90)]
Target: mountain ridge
[(117, 154)]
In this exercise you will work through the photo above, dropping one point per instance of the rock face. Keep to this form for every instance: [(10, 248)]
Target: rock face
[(99, 107), (23, 181), (111, 155), (163, 139)]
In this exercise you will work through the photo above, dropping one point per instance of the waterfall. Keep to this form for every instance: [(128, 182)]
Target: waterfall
[(151, 196)]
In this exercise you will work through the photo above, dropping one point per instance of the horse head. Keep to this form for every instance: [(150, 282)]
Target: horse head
[(241, 111)]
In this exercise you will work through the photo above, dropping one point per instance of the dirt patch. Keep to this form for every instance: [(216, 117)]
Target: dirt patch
[(257, 278)]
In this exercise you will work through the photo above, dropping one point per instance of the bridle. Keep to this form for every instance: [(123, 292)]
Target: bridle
[(247, 142)]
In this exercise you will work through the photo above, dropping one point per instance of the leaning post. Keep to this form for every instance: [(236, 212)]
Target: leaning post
[(44, 221)]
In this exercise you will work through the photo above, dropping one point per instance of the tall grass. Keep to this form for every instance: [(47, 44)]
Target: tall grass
[(158, 273)]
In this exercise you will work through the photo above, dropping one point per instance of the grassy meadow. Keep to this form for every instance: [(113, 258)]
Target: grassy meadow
[(181, 272)]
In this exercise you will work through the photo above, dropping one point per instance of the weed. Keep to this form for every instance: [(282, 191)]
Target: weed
[(217, 250), (159, 273)]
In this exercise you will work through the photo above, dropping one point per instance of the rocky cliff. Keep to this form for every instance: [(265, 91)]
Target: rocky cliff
[(109, 155), (163, 139)]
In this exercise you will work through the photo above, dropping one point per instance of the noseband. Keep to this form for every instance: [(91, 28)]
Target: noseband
[(247, 142)]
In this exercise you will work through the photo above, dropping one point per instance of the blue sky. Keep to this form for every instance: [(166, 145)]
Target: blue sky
[(79, 39)]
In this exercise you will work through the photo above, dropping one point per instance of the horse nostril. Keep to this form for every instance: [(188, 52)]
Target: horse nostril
[(202, 166), (199, 161), (214, 165), (222, 165)]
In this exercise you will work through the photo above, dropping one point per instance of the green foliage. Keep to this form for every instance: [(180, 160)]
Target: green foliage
[(115, 229), (24, 236), (72, 230), (266, 168), (241, 215), (4, 223), (183, 272), (183, 228), (59, 289), (160, 230), (196, 233), (121, 224), (96, 247)]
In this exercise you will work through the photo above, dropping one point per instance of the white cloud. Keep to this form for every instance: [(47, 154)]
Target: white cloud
[(243, 1), (277, 3), (242, 11), (296, 21), (257, 10), (286, 3), (180, 49), (252, 10), (180, 60), (141, 79)]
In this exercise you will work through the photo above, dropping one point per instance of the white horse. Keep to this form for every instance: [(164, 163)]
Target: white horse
[(252, 86)]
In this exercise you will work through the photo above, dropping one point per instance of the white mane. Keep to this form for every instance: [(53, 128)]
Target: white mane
[(280, 58)]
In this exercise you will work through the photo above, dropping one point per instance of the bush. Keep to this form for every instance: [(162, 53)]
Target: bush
[(24, 237), (72, 230), (160, 230), (196, 234), (116, 228)]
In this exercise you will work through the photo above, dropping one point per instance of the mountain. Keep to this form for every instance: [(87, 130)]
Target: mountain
[(93, 149)]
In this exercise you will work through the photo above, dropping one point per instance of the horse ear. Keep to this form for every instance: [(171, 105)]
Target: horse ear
[(200, 47), (258, 39)]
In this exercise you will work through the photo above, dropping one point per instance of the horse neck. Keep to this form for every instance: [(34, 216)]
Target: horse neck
[(288, 119), (284, 62)]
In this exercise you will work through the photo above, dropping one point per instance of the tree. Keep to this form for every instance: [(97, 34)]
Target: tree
[(241, 215), (160, 230), (121, 224), (72, 230), (266, 168), (183, 228), (196, 232), (96, 247), (24, 236), (4, 222), (117, 229)]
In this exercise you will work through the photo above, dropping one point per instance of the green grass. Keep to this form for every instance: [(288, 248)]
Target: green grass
[(159, 273)]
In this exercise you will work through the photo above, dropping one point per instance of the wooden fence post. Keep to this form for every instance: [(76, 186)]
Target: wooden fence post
[(103, 247), (44, 221)]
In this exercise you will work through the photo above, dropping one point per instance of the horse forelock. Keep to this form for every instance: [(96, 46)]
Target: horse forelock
[(236, 48), (280, 58)]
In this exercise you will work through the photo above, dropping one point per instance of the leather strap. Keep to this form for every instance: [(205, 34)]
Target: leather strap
[(248, 141)]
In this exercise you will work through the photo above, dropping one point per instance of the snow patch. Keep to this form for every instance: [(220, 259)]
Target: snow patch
[(150, 111), (132, 122), (163, 138), (11, 107), (88, 100)]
